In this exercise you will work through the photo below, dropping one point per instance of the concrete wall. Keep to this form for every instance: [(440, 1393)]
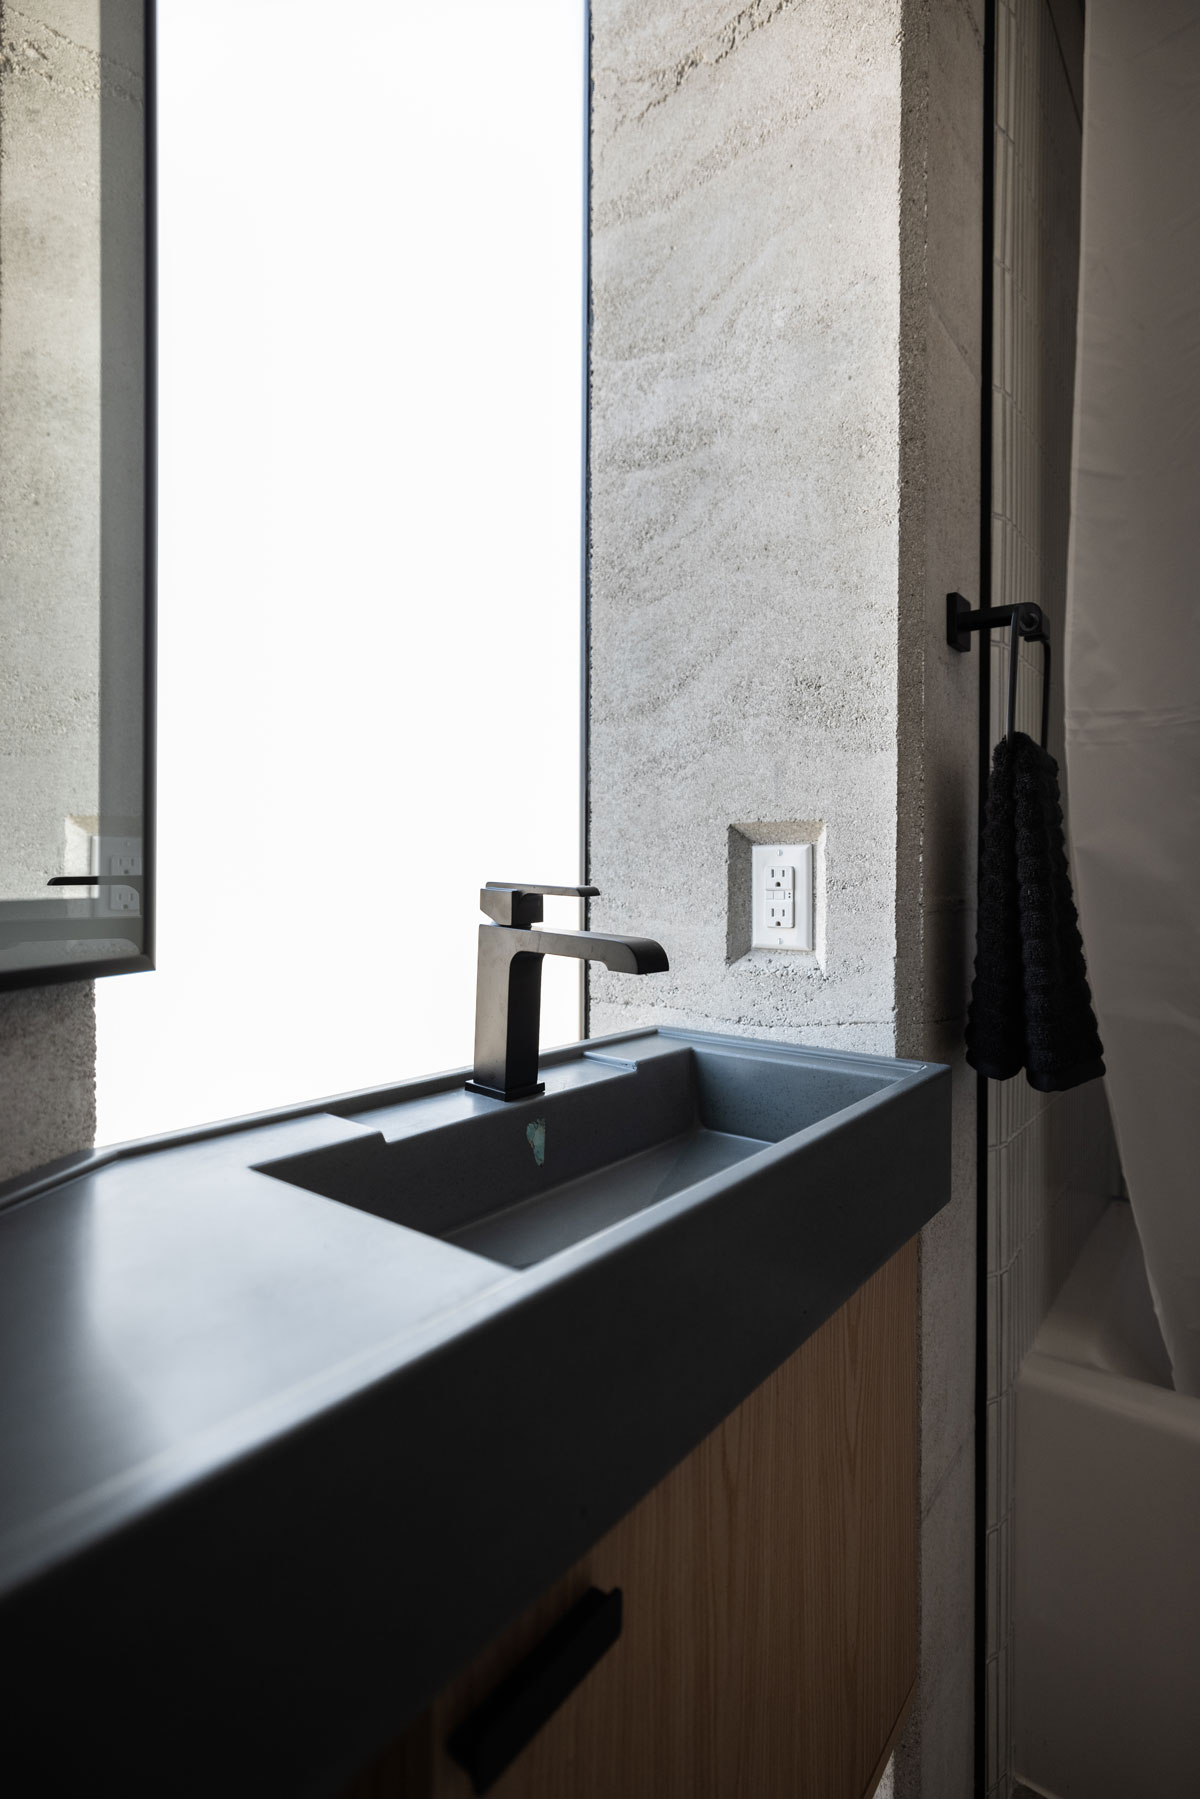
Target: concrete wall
[(785, 483), (745, 488), (47, 1075)]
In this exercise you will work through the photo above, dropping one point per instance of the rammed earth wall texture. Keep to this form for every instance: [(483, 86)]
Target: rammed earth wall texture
[(47, 1075)]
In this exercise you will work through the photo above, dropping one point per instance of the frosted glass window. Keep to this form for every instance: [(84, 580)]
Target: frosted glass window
[(371, 231)]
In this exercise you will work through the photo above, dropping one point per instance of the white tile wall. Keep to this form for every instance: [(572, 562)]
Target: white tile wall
[(1051, 1157)]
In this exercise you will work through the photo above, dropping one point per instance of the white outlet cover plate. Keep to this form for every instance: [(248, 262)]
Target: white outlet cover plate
[(763, 858)]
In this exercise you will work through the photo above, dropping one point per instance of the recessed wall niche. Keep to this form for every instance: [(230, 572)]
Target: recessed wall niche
[(742, 839)]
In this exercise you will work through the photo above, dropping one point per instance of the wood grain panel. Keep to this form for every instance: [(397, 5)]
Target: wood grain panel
[(769, 1647)]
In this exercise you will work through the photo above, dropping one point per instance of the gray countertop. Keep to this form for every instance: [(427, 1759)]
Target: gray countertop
[(275, 1467)]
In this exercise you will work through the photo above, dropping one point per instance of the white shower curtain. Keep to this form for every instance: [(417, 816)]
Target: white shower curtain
[(1133, 620)]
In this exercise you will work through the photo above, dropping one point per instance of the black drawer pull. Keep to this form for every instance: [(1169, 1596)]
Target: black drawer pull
[(497, 1731)]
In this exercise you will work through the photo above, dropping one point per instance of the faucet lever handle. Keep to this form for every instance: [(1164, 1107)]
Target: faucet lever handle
[(519, 902)]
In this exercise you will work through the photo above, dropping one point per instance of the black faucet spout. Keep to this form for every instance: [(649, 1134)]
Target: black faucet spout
[(624, 955), (509, 993)]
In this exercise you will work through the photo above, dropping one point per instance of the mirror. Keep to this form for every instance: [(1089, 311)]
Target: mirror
[(76, 472)]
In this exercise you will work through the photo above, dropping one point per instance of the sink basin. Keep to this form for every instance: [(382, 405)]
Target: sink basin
[(517, 1183)]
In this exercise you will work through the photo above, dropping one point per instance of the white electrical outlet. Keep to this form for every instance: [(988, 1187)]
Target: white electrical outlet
[(781, 908), (119, 855), (782, 897), (116, 856)]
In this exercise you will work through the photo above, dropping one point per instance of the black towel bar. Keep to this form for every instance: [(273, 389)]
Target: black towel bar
[(961, 621), (1027, 621)]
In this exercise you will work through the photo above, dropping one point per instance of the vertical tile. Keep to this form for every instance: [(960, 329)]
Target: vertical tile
[(996, 1497), (1005, 1205), (1002, 1732), (1003, 68)]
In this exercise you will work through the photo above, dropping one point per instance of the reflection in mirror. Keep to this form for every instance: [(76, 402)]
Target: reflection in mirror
[(75, 562)]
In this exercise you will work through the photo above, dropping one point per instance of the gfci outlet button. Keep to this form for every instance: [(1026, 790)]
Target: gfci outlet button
[(782, 900)]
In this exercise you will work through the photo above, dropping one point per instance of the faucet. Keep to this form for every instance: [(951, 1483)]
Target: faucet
[(509, 994)]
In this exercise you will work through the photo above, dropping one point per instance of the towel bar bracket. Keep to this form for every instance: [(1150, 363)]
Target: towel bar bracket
[(1028, 621), (961, 620)]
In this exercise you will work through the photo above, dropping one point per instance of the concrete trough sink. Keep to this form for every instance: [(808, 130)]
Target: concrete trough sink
[(520, 1182)]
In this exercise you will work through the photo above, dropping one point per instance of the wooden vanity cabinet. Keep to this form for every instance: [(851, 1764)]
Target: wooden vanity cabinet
[(768, 1648)]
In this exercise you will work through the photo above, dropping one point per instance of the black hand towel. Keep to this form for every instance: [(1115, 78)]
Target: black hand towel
[(1031, 1006)]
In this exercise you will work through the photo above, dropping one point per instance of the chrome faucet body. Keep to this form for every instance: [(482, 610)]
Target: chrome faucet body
[(509, 993)]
